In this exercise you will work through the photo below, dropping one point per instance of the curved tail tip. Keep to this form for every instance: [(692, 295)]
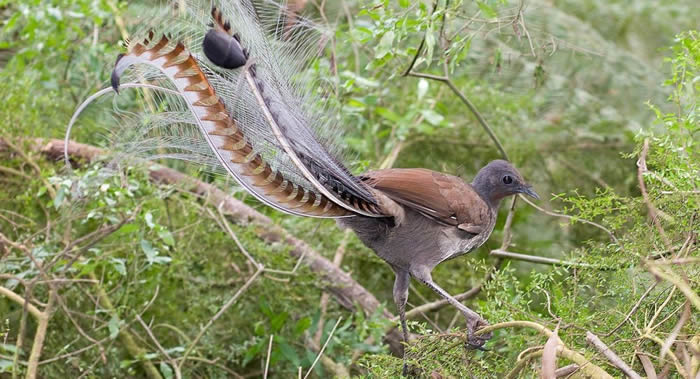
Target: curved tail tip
[(115, 76)]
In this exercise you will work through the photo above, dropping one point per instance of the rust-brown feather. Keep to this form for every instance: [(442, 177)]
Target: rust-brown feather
[(446, 198)]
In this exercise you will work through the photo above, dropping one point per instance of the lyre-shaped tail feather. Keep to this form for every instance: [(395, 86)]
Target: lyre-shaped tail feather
[(283, 116), (265, 125), (231, 147)]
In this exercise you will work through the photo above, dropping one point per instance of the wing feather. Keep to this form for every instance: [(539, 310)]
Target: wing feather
[(445, 198)]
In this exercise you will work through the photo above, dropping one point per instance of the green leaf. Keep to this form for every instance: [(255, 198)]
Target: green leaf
[(10, 348), (432, 117), (148, 249), (149, 220), (166, 370), (387, 114), (60, 195), (487, 9), (167, 237), (289, 353), (385, 44), (277, 322), (113, 326), (119, 265), (127, 229), (422, 88), (5, 365), (301, 325)]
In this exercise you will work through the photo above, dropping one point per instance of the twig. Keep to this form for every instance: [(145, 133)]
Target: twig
[(634, 309), (469, 104), (422, 43), (267, 360), (33, 310), (653, 212), (148, 330), (520, 364), (612, 357), (544, 260), (685, 316), (566, 370), (584, 221), (223, 309), (674, 357), (646, 364), (49, 187), (679, 283), (12, 171), (125, 336), (330, 336), (323, 304), (587, 367)]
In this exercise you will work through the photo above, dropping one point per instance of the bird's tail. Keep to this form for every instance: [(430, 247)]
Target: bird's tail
[(227, 86)]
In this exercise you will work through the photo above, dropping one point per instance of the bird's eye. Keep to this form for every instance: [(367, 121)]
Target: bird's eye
[(507, 179)]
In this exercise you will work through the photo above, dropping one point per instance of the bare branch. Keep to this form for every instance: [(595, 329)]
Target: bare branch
[(612, 357)]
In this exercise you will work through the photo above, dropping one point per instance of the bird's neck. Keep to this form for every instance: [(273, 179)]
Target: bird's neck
[(484, 188)]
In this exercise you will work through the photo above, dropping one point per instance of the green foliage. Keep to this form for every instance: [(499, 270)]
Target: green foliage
[(564, 87)]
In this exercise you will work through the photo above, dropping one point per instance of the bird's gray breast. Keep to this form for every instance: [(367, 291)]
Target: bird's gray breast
[(454, 242)]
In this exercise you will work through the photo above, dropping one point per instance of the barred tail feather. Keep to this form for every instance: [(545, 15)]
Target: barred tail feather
[(221, 132), (245, 95)]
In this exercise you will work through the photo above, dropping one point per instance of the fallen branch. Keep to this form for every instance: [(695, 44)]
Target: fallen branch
[(346, 290)]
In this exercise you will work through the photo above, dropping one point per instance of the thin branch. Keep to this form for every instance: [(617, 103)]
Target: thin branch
[(33, 310), (653, 212), (587, 367), (267, 360), (330, 336), (223, 309), (679, 283), (612, 357), (572, 218), (633, 310), (545, 260), (148, 330), (685, 316)]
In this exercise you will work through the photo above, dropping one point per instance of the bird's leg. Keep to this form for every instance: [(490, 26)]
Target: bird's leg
[(401, 284), (474, 321)]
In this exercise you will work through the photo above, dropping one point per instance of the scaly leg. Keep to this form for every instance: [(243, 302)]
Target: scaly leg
[(401, 284), (474, 321)]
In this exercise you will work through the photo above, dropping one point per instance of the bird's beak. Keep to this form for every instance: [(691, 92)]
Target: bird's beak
[(529, 191)]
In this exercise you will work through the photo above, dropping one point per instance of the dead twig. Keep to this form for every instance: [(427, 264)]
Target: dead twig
[(148, 330), (572, 218), (218, 314), (632, 311), (653, 212), (612, 357), (587, 367), (545, 260), (267, 360), (320, 353)]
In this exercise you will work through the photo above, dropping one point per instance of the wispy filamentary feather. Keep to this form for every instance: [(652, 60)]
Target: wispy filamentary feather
[(243, 104)]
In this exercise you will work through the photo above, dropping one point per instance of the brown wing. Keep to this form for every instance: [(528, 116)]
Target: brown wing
[(446, 198)]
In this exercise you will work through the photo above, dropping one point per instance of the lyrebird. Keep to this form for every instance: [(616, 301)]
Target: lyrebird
[(242, 87)]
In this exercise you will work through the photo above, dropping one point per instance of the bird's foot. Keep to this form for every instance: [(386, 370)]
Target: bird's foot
[(476, 341)]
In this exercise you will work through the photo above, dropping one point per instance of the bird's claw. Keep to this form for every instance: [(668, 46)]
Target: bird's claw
[(476, 341)]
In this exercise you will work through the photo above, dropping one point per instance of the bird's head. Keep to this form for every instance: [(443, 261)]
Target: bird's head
[(499, 179)]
